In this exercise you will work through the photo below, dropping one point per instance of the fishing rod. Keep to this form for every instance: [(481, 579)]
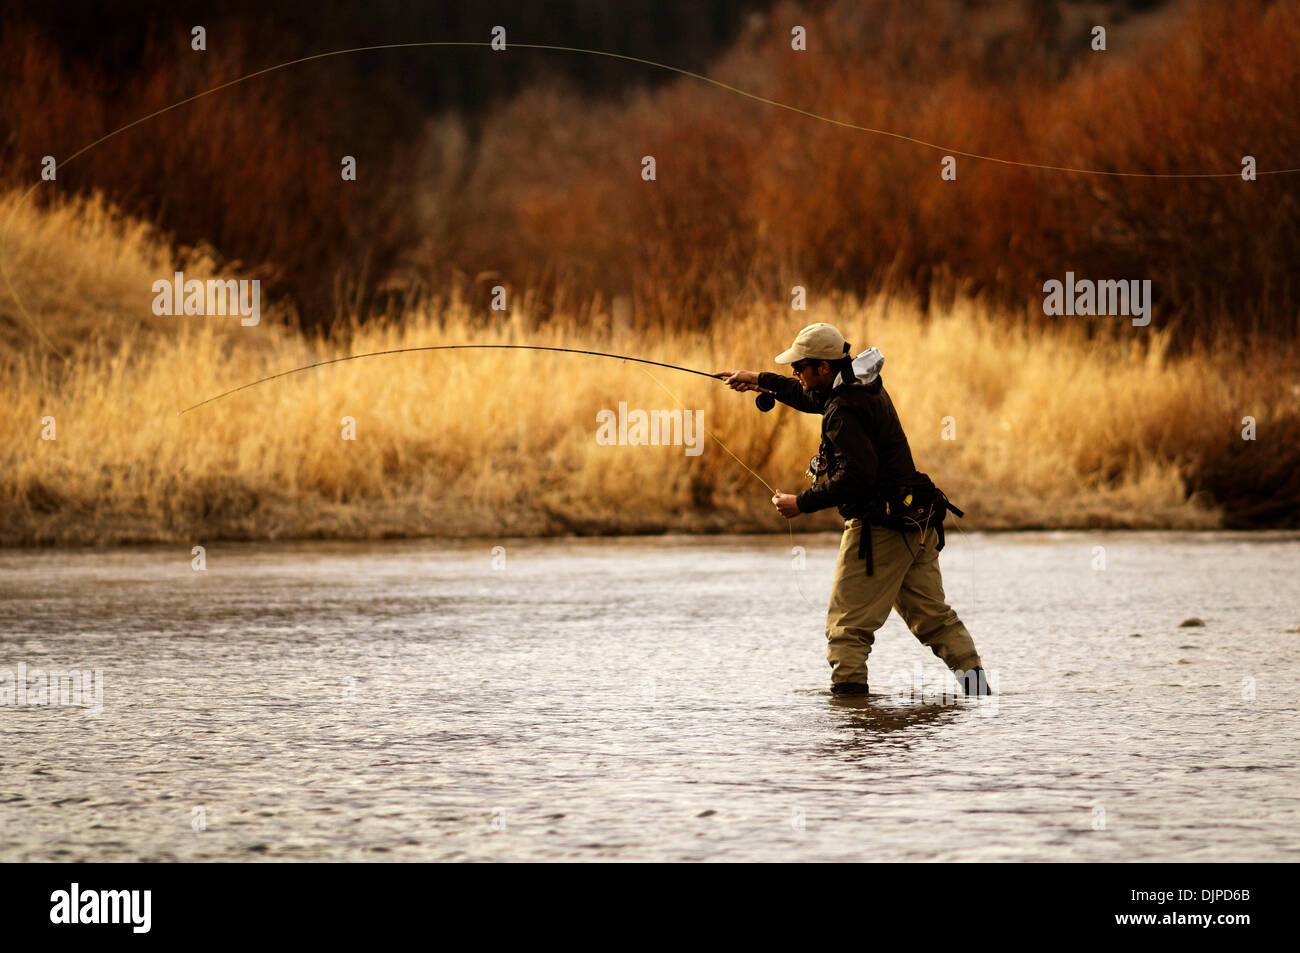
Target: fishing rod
[(765, 400)]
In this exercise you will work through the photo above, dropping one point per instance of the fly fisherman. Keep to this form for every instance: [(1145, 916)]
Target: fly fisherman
[(893, 515)]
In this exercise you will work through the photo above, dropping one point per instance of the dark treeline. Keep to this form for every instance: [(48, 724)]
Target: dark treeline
[(522, 168), (253, 171)]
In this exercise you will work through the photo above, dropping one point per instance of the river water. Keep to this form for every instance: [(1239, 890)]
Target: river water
[(646, 699)]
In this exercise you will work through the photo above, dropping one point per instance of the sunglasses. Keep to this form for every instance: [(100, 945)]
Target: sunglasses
[(800, 366)]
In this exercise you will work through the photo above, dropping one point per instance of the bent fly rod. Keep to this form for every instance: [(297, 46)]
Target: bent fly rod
[(765, 399)]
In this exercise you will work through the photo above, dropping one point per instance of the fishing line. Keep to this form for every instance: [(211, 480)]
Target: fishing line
[(788, 524), (957, 523), (40, 331)]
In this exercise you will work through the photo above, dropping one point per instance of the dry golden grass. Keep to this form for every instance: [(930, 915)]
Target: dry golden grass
[(83, 272), (1051, 430)]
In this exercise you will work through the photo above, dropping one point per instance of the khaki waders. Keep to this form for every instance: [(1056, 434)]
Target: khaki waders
[(905, 577)]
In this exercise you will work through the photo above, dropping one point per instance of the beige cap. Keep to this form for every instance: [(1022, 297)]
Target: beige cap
[(817, 342)]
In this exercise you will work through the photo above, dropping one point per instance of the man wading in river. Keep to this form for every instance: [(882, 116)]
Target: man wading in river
[(893, 515)]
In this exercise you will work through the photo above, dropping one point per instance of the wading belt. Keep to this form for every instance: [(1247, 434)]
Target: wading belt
[(864, 546)]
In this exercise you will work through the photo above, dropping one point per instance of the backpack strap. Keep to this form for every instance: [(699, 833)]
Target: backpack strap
[(946, 508)]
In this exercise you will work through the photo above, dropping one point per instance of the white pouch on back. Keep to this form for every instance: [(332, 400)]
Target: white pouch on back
[(866, 366)]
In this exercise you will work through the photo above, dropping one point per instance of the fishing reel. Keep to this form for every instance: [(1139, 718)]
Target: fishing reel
[(817, 467), (764, 401)]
